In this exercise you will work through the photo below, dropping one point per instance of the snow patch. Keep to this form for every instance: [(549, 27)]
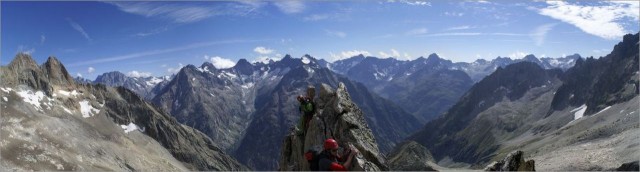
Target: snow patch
[(87, 110), (579, 112), (5, 99), (131, 127), (203, 69), (6, 90), (305, 60), (66, 110), (154, 81), (32, 98), (247, 85), (73, 93), (604, 109), (230, 75)]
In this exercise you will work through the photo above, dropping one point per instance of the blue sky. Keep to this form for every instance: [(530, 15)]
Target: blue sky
[(157, 38)]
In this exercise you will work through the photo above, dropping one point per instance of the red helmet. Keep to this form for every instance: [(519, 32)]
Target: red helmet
[(330, 144)]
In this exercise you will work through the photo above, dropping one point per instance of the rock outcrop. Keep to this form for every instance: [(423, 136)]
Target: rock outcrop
[(339, 118), (410, 156), (513, 162), (629, 166)]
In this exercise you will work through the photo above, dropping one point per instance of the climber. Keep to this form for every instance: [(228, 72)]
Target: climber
[(307, 108), (329, 159)]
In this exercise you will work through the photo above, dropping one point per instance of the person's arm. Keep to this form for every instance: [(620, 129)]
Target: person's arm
[(354, 152)]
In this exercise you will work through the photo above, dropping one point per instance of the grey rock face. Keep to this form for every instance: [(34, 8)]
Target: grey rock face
[(513, 162), (410, 156), (343, 121), (629, 166)]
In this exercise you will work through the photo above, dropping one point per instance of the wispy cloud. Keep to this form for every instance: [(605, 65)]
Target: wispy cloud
[(474, 34), (173, 70), (464, 27), (394, 53), (539, 33), (417, 31), (159, 51), (42, 38), (603, 21), (187, 12), (290, 6), (347, 54), (80, 29), (518, 54), (412, 2), (453, 14), (339, 34), (137, 74), (152, 32), (25, 49), (90, 70), (263, 50)]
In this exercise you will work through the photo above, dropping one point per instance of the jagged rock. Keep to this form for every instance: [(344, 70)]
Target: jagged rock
[(343, 121), (513, 162), (410, 156), (629, 166)]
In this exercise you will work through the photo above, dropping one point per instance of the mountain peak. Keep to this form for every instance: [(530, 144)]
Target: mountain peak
[(244, 67), (23, 61), (433, 56), (57, 72), (209, 65), (531, 58)]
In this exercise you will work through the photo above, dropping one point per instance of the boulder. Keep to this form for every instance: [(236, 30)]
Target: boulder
[(513, 162)]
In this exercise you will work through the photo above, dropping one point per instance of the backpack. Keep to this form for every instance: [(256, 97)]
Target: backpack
[(307, 107), (313, 157)]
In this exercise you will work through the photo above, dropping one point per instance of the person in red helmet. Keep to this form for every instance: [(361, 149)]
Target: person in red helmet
[(329, 158)]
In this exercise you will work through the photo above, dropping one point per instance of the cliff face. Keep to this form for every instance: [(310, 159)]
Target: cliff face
[(339, 118)]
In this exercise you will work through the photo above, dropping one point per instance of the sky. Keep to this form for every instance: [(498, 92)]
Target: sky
[(158, 38)]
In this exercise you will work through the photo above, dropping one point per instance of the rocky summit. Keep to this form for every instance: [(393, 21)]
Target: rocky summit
[(339, 118)]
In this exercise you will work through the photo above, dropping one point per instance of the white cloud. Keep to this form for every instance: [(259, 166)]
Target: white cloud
[(152, 32), (263, 50), (347, 54), (175, 70), (266, 59), (518, 54), (79, 75), (411, 2), (459, 27), (80, 29), (453, 14), (91, 70), (42, 39), (394, 53), (187, 12), (290, 6), (137, 74), (26, 50), (539, 33), (602, 21), (316, 17), (417, 31), (221, 63), (335, 33)]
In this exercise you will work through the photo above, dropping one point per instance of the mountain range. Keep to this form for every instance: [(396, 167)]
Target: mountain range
[(584, 118)]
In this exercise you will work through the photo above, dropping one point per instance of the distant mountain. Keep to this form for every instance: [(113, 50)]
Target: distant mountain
[(142, 86), (560, 118), (424, 87), (53, 123), (82, 80)]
